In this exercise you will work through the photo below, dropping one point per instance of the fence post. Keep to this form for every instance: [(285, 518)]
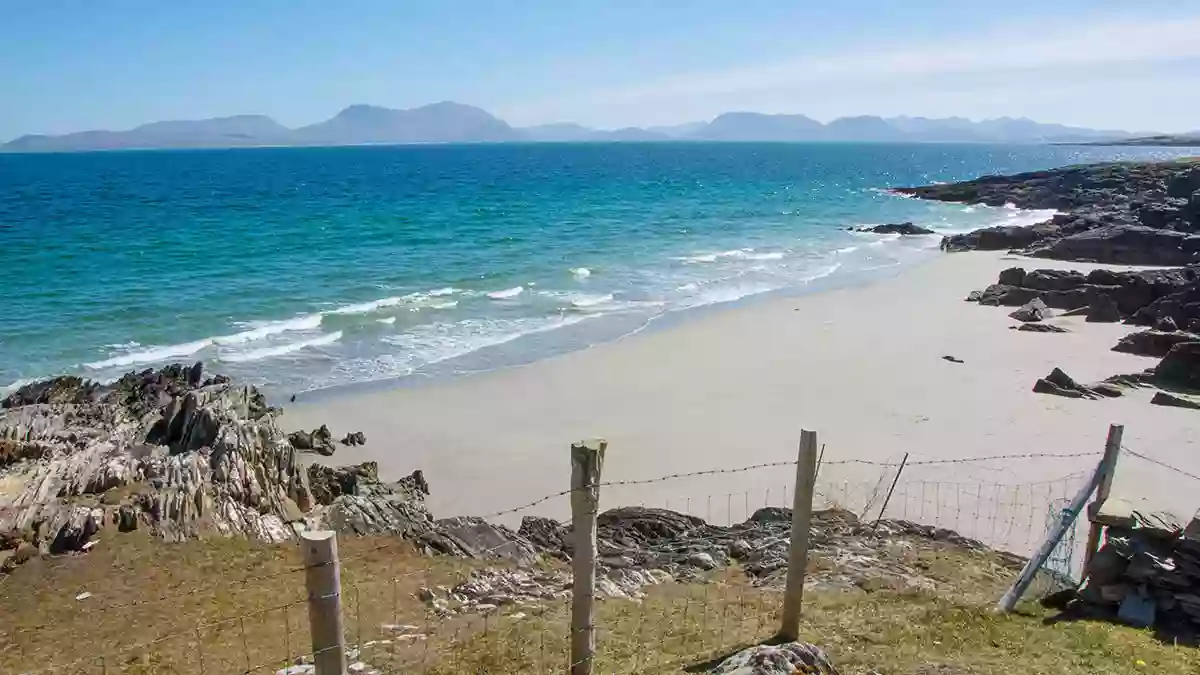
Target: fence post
[(806, 470), (1014, 593), (323, 579), (587, 460), (1112, 450)]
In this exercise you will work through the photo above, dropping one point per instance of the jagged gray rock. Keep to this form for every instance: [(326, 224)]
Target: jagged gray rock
[(1034, 310), (1181, 366), (205, 455), (785, 659)]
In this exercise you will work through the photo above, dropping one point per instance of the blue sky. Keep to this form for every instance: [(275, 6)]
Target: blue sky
[(82, 64)]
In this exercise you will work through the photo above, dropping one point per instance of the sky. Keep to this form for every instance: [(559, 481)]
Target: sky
[(70, 65)]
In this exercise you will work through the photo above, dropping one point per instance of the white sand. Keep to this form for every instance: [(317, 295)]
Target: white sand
[(862, 366)]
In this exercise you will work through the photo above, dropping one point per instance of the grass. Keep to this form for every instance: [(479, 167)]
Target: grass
[(146, 617)]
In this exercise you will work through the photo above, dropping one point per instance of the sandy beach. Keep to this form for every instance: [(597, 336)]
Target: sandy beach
[(862, 366)]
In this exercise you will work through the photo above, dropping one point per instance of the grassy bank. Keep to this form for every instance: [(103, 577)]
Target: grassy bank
[(222, 606)]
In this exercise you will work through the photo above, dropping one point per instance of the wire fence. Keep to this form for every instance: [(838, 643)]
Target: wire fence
[(505, 612)]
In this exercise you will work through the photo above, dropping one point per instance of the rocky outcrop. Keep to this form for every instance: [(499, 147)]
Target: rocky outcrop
[(1172, 401), (1059, 383), (318, 440), (897, 228), (355, 438), (1152, 342), (1040, 328), (1144, 213), (1141, 297), (1180, 367), (177, 455)]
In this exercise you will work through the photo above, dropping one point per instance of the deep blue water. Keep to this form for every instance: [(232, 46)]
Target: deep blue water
[(304, 269)]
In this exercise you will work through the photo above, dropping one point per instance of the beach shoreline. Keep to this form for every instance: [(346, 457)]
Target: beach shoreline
[(861, 364)]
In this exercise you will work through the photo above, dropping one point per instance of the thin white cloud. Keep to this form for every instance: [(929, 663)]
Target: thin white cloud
[(1033, 47)]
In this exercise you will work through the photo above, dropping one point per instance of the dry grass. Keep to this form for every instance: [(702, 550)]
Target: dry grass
[(233, 627)]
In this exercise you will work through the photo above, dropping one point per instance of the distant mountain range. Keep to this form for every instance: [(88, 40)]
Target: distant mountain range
[(449, 122)]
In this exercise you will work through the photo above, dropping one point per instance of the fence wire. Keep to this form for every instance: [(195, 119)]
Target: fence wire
[(395, 624)]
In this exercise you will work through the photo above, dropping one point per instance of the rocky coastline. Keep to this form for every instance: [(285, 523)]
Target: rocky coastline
[(1122, 213), (1131, 213)]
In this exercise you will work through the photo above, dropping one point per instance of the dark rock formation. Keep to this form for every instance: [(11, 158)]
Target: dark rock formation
[(1040, 328), (1013, 276), (1103, 309), (1007, 296), (1171, 400), (897, 228), (355, 438), (1059, 383), (318, 440), (1138, 213), (1034, 310), (1152, 342), (1181, 366)]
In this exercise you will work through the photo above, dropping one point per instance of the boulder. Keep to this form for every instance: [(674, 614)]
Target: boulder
[(355, 438), (471, 537), (1007, 296), (1013, 276), (1151, 342), (784, 659), (1124, 245), (998, 238), (1181, 366), (1059, 383), (319, 440), (1171, 400), (1067, 300), (974, 296), (1103, 309), (1034, 310), (1054, 280)]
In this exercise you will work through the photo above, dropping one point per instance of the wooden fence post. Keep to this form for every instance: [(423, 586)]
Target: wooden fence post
[(587, 461), (806, 470), (1014, 593), (323, 580), (1112, 450)]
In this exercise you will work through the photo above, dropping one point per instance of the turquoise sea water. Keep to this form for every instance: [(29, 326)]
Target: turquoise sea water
[(306, 269)]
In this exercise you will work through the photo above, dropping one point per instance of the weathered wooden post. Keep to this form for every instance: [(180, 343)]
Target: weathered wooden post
[(587, 461), (1112, 450), (806, 473), (1013, 595), (323, 580)]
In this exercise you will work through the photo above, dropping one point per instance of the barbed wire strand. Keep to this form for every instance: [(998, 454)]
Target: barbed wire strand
[(1160, 463)]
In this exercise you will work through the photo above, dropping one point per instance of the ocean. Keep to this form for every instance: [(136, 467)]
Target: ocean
[(310, 270)]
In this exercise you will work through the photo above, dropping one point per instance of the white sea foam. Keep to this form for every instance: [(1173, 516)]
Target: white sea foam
[(846, 249), (969, 209), (152, 355), (581, 272), (390, 319), (507, 293), (434, 343), (368, 307), (264, 329), (442, 292), (584, 301), (443, 305), (280, 350)]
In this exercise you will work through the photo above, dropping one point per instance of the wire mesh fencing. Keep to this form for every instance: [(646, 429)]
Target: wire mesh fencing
[(500, 610)]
